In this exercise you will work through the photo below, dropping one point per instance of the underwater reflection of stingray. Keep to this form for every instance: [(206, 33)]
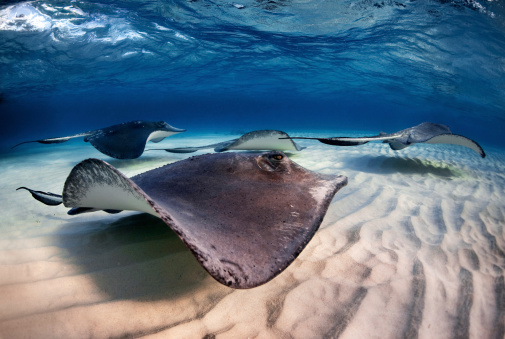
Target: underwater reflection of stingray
[(427, 132), (244, 216), (260, 140), (122, 141)]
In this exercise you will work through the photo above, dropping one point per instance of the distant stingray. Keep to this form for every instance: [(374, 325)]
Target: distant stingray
[(262, 140), (427, 132), (122, 141), (245, 217)]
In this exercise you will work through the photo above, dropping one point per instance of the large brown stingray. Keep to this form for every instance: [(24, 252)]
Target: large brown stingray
[(244, 216)]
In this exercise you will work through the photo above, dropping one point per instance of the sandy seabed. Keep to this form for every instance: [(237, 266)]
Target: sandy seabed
[(412, 247)]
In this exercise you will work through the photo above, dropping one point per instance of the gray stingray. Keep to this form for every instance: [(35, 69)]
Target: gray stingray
[(427, 132), (261, 140), (244, 216), (122, 141)]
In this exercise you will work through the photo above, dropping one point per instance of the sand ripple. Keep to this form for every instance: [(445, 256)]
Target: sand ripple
[(414, 246)]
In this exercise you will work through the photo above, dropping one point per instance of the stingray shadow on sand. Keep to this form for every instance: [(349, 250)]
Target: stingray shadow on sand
[(136, 257), (409, 166)]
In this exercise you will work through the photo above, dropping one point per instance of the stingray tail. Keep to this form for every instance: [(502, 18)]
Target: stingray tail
[(47, 198), (43, 141), (58, 140)]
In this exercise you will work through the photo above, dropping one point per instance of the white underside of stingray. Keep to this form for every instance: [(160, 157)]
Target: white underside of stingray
[(158, 136), (114, 198), (103, 187), (455, 139)]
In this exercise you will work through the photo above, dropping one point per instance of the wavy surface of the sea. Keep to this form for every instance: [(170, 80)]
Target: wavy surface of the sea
[(253, 64)]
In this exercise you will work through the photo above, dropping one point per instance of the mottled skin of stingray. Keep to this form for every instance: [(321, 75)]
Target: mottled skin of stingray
[(427, 132), (244, 216), (122, 141)]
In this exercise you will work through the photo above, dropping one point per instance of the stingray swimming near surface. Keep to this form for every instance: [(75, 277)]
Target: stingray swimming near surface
[(244, 216), (261, 140), (427, 132), (122, 141)]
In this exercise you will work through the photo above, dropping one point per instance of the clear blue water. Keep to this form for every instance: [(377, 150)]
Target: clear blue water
[(413, 246), (71, 66)]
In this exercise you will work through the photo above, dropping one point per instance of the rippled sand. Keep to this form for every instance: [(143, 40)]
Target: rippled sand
[(413, 246)]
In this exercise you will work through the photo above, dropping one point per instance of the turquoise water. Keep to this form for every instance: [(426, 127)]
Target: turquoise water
[(413, 246), (219, 66)]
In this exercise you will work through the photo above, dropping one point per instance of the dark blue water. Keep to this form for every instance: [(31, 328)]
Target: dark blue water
[(73, 66)]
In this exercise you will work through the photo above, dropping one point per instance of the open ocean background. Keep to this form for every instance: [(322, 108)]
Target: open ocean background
[(412, 247), (235, 66)]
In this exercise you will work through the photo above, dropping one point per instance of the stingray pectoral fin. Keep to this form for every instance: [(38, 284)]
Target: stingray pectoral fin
[(97, 185), (159, 135), (298, 147), (47, 198), (455, 139), (223, 146)]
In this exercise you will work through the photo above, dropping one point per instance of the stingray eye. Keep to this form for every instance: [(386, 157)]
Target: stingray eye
[(271, 161)]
